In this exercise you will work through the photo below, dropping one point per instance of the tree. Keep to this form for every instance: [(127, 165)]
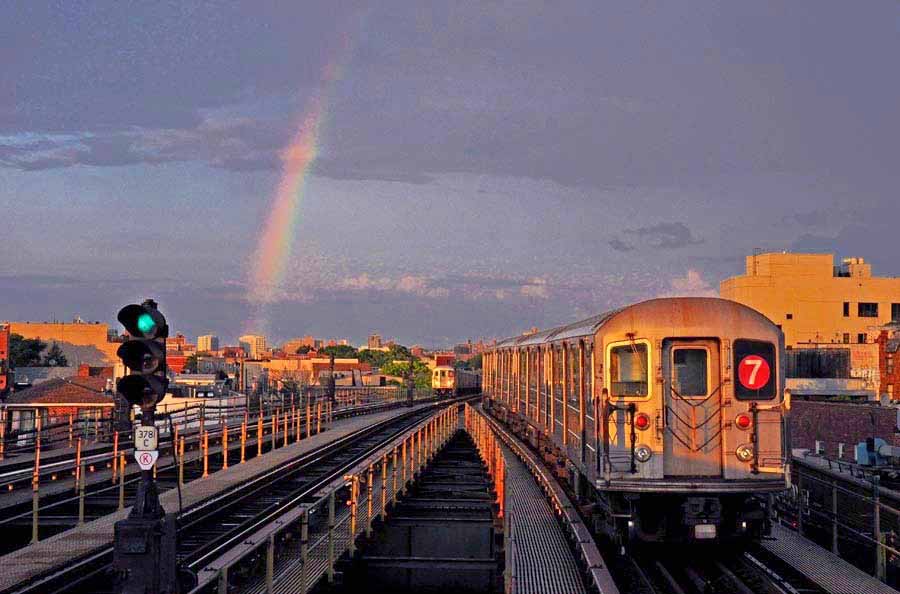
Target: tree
[(25, 352), (303, 349), (398, 351), (341, 351), (191, 364), (54, 357), (421, 372), (474, 363), (375, 358)]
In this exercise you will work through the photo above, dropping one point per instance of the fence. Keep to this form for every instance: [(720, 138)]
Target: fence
[(99, 426), (853, 521)]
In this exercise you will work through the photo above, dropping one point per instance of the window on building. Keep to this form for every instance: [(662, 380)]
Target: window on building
[(861, 338), (889, 364), (895, 312), (789, 316), (890, 391), (846, 309), (867, 310), (846, 338), (628, 370)]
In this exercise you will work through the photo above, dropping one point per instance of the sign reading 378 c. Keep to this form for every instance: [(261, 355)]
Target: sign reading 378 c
[(145, 439)]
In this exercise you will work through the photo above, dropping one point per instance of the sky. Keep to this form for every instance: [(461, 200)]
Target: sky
[(437, 171)]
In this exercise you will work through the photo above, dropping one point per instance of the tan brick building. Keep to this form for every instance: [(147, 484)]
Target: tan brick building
[(814, 301), (81, 342)]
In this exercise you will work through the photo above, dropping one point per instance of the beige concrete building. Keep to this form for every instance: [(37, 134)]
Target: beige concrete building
[(207, 343), (81, 342), (814, 301), (254, 345)]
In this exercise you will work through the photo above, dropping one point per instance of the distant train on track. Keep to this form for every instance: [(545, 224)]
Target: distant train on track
[(666, 416), (447, 381)]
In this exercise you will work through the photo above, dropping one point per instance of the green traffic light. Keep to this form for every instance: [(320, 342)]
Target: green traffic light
[(145, 323)]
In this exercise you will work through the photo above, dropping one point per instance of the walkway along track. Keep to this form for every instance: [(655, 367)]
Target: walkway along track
[(663, 570), (209, 528), (60, 509)]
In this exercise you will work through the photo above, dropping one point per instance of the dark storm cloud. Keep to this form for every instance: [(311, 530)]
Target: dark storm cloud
[(620, 246), (814, 218), (515, 139), (587, 93), (665, 235)]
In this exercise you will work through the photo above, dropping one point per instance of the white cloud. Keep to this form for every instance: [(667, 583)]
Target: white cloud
[(421, 286), (364, 282), (690, 285), (536, 288)]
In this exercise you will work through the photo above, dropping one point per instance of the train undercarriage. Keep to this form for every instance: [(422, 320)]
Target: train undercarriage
[(645, 516)]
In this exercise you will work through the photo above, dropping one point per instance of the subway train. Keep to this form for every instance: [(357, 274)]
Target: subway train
[(447, 381), (666, 417)]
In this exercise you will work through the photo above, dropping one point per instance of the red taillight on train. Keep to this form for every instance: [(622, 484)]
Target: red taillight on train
[(642, 421), (743, 421)]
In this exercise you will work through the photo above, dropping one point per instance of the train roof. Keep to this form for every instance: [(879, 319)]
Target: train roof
[(586, 327), (589, 326)]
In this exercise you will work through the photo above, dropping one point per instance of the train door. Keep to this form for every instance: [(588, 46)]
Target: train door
[(692, 407)]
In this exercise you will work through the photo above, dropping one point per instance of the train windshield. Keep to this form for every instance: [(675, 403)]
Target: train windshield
[(689, 372), (628, 370)]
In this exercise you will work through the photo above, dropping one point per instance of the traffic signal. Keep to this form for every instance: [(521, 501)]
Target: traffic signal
[(144, 354)]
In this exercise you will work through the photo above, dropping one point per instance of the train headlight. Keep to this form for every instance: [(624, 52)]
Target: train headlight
[(744, 452), (643, 453)]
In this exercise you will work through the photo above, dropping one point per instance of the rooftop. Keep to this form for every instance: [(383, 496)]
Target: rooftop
[(64, 391)]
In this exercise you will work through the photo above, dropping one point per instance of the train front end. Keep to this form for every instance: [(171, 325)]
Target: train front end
[(443, 381), (691, 431)]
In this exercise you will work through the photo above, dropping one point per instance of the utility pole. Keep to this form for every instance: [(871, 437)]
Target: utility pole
[(331, 382), (144, 547), (410, 381)]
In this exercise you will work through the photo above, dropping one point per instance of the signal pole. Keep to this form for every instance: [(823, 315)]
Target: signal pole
[(144, 548)]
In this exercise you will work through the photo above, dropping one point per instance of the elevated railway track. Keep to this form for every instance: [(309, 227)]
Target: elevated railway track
[(208, 527)]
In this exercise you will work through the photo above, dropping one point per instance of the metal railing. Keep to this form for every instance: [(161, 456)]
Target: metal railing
[(857, 526), (291, 554)]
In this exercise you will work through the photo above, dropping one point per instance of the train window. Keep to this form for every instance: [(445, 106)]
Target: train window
[(588, 377), (628, 370), (574, 377), (689, 372), (754, 361)]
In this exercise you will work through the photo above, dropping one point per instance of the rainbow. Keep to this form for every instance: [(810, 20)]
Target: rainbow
[(274, 247), (273, 250)]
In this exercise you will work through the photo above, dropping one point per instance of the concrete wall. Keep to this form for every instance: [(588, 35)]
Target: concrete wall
[(81, 343)]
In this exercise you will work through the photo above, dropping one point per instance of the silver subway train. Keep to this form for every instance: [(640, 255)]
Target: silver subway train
[(667, 416)]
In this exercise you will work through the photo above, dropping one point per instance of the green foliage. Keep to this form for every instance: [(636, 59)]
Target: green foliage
[(400, 368), (303, 350), (398, 351), (341, 351), (25, 352), (474, 363), (191, 364), (54, 357), (375, 358), (421, 372)]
